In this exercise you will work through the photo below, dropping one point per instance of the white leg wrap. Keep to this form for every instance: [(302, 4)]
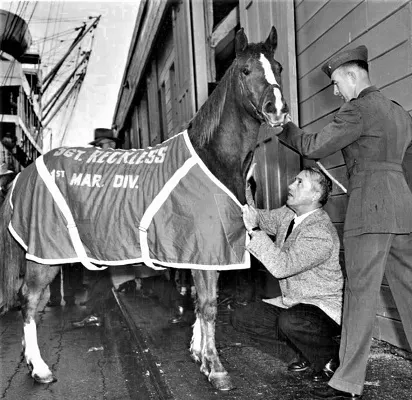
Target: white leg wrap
[(196, 342), (40, 370)]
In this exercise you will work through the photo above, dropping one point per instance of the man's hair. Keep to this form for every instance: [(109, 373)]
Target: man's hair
[(356, 63), (323, 182)]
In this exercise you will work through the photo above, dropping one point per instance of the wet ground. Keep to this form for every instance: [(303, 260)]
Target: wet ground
[(138, 354), (258, 369)]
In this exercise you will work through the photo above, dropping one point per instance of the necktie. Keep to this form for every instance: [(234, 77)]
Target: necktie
[(290, 229)]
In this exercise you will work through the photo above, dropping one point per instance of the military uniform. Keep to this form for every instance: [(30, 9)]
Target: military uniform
[(375, 136)]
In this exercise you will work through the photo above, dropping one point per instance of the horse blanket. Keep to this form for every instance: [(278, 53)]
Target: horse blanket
[(160, 206)]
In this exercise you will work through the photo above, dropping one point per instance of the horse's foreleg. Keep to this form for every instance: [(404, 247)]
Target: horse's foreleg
[(36, 279), (204, 348)]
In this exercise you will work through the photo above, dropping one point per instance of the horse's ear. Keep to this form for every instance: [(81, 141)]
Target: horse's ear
[(241, 41), (272, 40)]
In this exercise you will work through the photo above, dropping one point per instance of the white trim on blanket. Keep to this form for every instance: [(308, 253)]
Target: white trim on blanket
[(145, 222), (64, 208), (155, 205), (206, 170)]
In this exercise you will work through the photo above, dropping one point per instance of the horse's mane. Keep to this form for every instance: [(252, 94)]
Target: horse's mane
[(206, 121)]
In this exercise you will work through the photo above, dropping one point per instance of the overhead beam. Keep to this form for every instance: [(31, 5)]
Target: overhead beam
[(227, 25)]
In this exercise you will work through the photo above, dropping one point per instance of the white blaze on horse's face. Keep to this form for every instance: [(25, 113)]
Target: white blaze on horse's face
[(271, 79)]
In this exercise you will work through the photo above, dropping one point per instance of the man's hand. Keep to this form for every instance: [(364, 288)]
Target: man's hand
[(250, 217), (287, 119), (250, 172)]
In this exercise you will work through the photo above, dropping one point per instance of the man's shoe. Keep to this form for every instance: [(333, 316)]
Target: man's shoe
[(299, 366), (331, 393), (88, 321), (178, 317), (53, 303), (327, 372)]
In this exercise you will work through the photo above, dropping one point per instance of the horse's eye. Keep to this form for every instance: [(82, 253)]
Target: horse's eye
[(246, 71)]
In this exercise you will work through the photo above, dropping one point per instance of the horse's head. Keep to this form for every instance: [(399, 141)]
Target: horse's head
[(225, 130), (258, 76)]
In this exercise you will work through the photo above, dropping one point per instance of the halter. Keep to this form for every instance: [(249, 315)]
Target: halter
[(257, 110)]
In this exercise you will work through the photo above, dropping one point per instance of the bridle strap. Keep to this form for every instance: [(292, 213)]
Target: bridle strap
[(259, 109)]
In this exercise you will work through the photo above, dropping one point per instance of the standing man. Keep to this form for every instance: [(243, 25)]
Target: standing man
[(375, 136), (305, 259), (105, 138), (100, 281)]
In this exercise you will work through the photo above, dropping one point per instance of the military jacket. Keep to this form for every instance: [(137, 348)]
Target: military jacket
[(375, 136)]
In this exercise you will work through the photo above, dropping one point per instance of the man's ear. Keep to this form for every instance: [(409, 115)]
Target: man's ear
[(316, 196), (352, 75)]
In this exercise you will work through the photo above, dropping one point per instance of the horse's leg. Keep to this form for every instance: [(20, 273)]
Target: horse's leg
[(36, 279), (203, 347)]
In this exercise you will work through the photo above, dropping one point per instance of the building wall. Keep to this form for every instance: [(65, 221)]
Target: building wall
[(166, 81), (324, 28)]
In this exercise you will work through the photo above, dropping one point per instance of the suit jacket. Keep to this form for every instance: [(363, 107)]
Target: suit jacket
[(307, 264), (375, 136)]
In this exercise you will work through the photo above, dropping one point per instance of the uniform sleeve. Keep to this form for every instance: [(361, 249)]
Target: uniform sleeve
[(345, 128), (309, 249)]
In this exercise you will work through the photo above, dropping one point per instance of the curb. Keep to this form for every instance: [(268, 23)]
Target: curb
[(156, 378)]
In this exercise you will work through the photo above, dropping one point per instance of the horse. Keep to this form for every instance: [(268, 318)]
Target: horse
[(224, 134)]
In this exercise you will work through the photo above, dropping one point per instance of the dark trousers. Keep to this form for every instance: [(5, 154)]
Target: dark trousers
[(72, 281), (306, 328), (367, 258), (99, 292)]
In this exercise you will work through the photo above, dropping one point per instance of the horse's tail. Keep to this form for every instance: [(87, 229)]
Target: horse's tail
[(12, 260)]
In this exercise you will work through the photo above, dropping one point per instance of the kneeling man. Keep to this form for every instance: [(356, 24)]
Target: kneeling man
[(305, 259)]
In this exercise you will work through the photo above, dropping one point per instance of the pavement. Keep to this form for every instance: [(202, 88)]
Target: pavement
[(258, 369), (137, 353)]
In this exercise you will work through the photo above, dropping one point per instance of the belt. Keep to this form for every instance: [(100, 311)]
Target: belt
[(366, 165)]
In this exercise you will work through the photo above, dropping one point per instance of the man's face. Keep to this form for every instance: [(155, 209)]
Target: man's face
[(106, 143), (301, 192), (343, 84)]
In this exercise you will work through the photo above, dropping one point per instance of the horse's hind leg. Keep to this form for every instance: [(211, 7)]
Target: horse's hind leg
[(203, 347), (36, 279)]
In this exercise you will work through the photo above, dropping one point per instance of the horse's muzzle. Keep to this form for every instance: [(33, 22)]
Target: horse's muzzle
[(273, 116), (273, 106)]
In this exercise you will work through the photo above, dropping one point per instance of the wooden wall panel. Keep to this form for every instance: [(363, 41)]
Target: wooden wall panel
[(391, 331), (153, 104), (149, 18), (401, 92), (277, 165), (144, 122), (324, 28), (325, 19), (184, 74), (171, 103), (305, 10), (390, 32), (135, 129), (336, 208)]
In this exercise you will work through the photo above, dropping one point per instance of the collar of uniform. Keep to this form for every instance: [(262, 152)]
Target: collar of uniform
[(367, 90)]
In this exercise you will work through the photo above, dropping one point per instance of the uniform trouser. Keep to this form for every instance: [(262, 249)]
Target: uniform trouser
[(305, 327), (367, 258)]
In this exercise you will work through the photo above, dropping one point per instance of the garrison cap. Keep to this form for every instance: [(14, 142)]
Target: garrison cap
[(360, 53)]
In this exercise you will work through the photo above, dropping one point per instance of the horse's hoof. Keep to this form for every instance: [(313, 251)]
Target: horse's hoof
[(221, 382), (48, 379)]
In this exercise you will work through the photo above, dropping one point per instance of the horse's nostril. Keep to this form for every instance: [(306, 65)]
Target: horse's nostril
[(269, 107)]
